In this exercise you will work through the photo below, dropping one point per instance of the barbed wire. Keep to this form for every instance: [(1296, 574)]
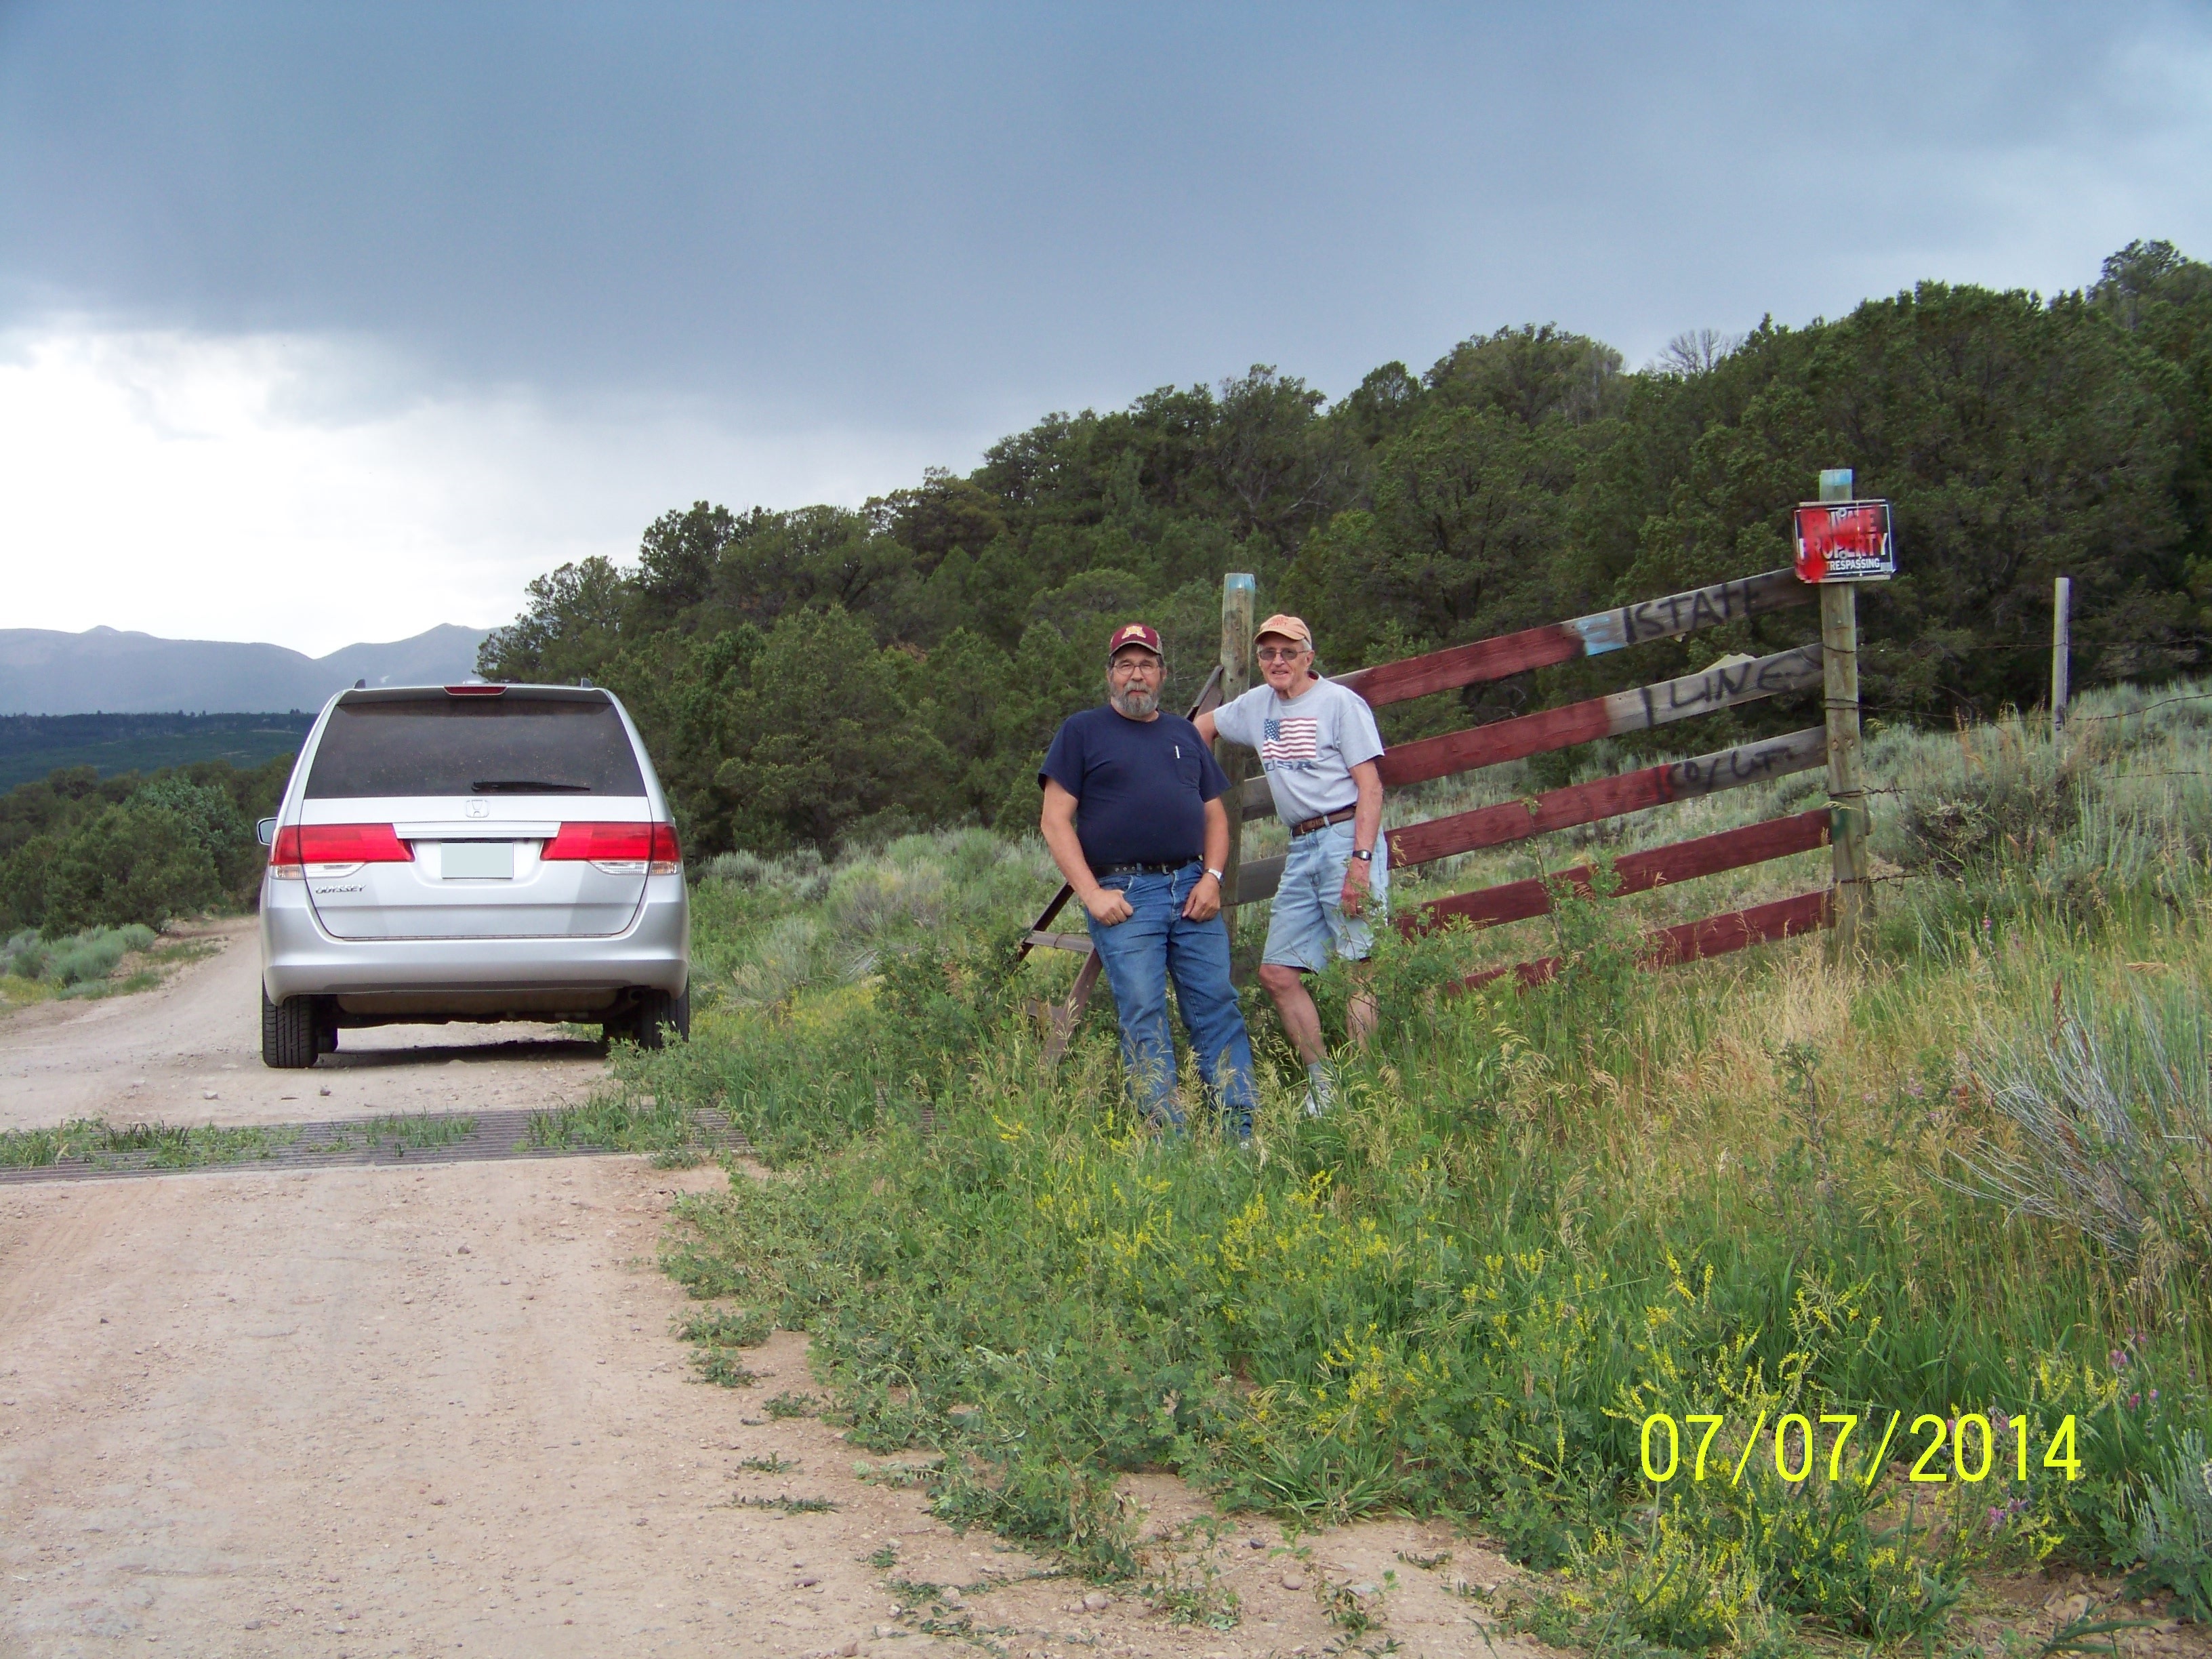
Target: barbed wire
[(1868, 705), (2128, 714)]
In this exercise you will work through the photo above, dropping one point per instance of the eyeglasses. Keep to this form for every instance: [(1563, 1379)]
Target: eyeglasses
[(1270, 653), (1134, 666)]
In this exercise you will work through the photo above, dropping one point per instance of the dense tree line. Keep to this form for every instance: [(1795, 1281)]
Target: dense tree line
[(801, 673), (78, 850)]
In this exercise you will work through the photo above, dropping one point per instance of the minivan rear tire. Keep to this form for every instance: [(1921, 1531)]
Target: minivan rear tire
[(656, 1015), (289, 1030)]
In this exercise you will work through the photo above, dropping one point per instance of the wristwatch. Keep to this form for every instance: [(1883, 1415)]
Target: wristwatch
[(1367, 856), (1216, 874)]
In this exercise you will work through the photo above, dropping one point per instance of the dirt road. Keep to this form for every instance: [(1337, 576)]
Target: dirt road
[(441, 1409), (189, 1052)]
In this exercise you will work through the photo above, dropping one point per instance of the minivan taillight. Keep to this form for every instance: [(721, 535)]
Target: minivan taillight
[(622, 849), (284, 855), (327, 846)]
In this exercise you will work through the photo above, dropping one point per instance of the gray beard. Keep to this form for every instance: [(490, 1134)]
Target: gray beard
[(1137, 705)]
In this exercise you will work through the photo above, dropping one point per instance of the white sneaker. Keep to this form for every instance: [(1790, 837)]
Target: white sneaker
[(1321, 1093)]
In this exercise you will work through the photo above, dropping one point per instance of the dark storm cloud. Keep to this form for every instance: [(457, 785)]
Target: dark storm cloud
[(945, 218)]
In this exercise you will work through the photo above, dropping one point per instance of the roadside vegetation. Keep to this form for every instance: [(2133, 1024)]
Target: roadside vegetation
[(99, 962), (157, 1145), (78, 960), (1968, 1177), (105, 1145), (92, 869), (81, 853)]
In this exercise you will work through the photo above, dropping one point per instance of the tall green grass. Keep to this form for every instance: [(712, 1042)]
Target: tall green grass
[(1768, 1183)]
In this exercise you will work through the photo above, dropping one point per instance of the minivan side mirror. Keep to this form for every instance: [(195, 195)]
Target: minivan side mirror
[(266, 831)]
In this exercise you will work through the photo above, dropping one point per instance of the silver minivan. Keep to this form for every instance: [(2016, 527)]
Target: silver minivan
[(475, 852)]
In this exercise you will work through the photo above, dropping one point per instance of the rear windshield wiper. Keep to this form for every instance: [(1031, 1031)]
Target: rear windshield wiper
[(526, 786)]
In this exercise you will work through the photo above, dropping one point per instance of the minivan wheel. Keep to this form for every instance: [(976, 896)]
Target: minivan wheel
[(658, 1014), (289, 1031)]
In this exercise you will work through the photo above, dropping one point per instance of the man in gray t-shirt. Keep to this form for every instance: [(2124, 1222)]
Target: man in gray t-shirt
[(1318, 743)]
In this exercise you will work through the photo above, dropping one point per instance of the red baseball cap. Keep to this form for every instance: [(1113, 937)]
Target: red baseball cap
[(1134, 634)]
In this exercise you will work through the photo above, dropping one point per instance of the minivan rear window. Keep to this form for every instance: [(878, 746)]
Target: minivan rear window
[(474, 745)]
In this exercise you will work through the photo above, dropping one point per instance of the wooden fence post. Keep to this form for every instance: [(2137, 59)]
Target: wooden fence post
[(1238, 591), (2061, 649), (1839, 661)]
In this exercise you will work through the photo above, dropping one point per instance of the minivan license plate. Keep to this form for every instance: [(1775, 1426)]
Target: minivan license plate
[(477, 859)]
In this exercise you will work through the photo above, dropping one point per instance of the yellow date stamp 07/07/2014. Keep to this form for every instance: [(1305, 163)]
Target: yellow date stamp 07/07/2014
[(1967, 1447)]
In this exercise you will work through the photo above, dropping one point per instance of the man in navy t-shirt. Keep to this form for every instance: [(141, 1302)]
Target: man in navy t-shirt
[(1132, 814)]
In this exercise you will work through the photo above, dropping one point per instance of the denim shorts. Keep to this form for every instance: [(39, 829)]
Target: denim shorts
[(1307, 927)]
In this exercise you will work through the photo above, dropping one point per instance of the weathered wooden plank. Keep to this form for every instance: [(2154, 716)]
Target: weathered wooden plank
[(1038, 940), (1259, 798), (1639, 873), (1540, 971), (1716, 936), (1065, 1015), (1585, 636), (1724, 685), (1209, 695), (1607, 797), (1045, 919), (1690, 941), (1258, 879)]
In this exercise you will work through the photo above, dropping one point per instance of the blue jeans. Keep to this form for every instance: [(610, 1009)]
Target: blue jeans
[(1139, 956)]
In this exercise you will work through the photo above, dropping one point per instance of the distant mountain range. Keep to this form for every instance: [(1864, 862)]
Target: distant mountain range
[(103, 671)]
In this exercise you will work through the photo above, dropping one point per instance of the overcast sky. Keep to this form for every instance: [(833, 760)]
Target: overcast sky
[(323, 324)]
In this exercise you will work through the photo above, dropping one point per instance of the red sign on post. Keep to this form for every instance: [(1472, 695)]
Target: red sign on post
[(1845, 542)]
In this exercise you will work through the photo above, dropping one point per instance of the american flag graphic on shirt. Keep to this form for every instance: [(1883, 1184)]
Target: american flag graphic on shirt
[(1295, 738)]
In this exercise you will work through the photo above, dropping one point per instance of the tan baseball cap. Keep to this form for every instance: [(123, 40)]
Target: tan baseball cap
[(1293, 629)]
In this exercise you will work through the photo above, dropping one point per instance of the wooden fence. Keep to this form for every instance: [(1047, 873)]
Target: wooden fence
[(1831, 666)]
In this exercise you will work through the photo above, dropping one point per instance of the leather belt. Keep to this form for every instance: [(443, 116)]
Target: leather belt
[(1323, 821), (1105, 870)]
